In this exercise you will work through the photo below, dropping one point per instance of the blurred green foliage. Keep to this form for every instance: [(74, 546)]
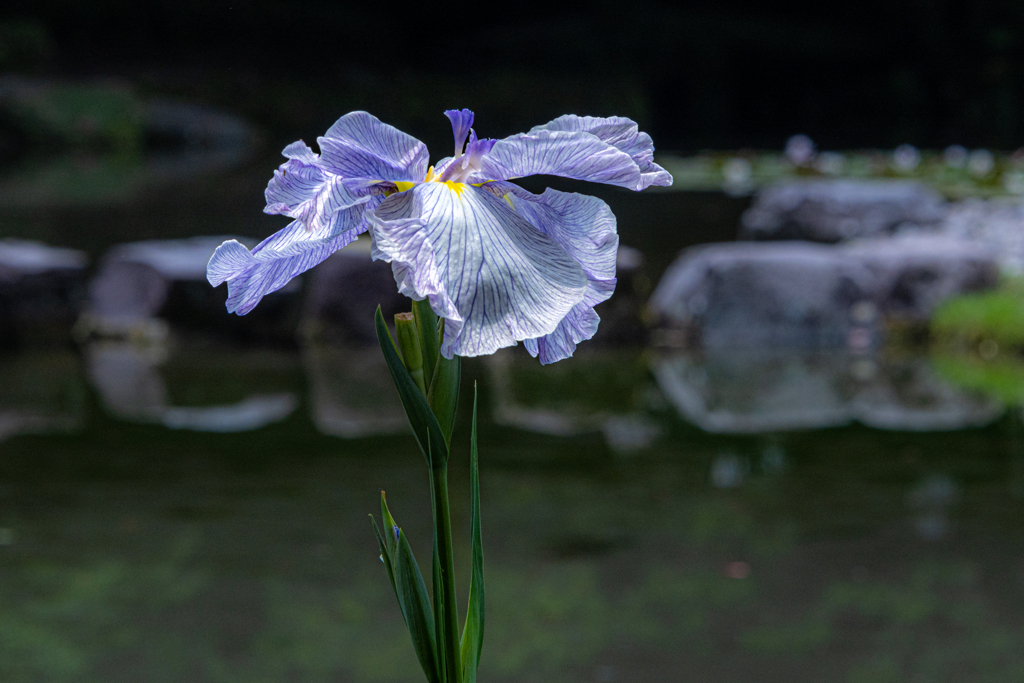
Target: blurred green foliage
[(996, 316), (56, 115), (1001, 377)]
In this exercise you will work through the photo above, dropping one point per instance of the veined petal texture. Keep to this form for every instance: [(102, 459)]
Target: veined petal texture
[(621, 133), (585, 226), (304, 191), (496, 278), (579, 325), (570, 154), (282, 256), (359, 145)]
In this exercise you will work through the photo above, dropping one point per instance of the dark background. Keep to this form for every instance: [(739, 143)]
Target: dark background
[(872, 73)]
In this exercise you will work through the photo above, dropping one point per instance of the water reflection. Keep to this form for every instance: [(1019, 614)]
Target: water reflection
[(752, 392), (41, 392), (599, 390), (351, 393), (128, 378), (208, 559)]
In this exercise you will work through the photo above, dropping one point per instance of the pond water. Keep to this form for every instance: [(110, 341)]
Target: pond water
[(195, 511)]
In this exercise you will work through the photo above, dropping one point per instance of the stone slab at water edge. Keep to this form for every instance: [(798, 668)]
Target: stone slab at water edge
[(800, 295), (42, 289), (141, 288), (837, 210)]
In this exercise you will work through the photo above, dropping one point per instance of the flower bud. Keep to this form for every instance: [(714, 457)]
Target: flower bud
[(409, 345)]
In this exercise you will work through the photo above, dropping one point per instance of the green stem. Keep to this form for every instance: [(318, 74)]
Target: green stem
[(449, 647)]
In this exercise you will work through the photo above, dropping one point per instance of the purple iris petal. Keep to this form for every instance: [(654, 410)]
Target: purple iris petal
[(579, 325), (500, 264), (282, 256), (586, 229), (462, 122), (570, 154), (301, 190), (622, 134), (360, 146), (495, 278)]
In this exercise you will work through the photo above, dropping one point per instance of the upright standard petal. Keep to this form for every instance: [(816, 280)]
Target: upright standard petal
[(360, 146), (570, 154), (586, 228), (493, 276), (462, 123), (621, 133)]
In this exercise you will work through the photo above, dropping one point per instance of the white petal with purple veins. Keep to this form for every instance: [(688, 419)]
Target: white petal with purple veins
[(570, 154), (359, 145), (622, 134), (309, 195), (496, 278), (579, 325), (282, 256), (586, 228)]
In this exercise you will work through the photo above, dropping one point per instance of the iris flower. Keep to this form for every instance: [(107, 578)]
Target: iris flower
[(501, 265)]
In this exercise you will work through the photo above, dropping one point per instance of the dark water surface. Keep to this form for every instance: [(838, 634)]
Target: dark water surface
[(198, 512)]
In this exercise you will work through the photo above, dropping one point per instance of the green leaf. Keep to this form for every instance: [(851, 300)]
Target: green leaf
[(426, 324), (438, 587), (389, 525), (421, 417), (385, 556), (412, 597), (443, 395), (473, 631)]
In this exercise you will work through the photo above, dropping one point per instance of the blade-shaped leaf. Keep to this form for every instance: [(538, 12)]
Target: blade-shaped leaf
[(412, 596), (421, 417), (430, 343), (473, 631), (438, 587), (391, 543), (443, 394), (385, 556)]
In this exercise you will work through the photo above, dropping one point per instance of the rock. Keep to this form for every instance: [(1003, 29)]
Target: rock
[(916, 273), (766, 392), (144, 287), (786, 294), (799, 295), (343, 293), (42, 290), (836, 210), (128, 378), (997, 224)]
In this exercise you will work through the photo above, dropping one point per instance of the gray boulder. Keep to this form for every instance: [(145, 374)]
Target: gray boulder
[(786, 294), (798, 295), (915, 273), (142, 288), (996, 223), (836, 210), (42, 290)]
